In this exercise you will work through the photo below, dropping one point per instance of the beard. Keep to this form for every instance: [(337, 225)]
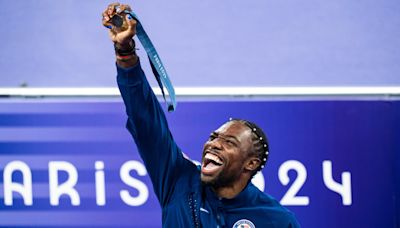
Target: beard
[(223, 179)]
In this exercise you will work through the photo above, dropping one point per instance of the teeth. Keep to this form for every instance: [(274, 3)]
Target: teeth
[(213, 158)]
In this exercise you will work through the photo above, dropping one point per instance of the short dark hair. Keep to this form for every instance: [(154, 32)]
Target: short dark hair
[(260, 142)]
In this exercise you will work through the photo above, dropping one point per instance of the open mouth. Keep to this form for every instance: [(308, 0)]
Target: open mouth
[(211, 164)]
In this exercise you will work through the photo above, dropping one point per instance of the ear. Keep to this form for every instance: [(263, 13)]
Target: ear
[(252, 163)]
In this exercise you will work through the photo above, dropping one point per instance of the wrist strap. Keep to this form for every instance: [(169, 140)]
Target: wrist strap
[(125, 51), (125, 58)]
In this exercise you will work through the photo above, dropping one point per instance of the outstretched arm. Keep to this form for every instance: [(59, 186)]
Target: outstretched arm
[(122, 38), (146, 120)]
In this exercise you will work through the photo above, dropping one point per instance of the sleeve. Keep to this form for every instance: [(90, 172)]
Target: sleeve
[(294, 223), (149, 128)]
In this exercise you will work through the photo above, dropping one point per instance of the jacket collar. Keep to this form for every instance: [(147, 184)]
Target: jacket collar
[(243, 198)]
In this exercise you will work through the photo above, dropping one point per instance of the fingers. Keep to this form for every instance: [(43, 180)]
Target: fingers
[(124, 7), (108, 13), (106, 21), (131, 23), (112, 7), (115, 34)]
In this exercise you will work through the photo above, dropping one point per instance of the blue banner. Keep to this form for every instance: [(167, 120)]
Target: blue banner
[(73, 163)]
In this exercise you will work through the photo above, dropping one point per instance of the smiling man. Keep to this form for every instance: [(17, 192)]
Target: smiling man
[(232, 155), (220, 192)]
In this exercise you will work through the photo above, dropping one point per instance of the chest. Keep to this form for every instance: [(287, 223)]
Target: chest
[(220, 216), (192, 210)]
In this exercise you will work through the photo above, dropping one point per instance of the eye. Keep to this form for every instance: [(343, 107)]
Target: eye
[(230, 142), (212, 136)]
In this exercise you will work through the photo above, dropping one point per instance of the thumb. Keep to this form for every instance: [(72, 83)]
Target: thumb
[(131, 23)]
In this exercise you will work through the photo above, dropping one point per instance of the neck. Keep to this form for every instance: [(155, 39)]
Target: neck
[(231, 191)]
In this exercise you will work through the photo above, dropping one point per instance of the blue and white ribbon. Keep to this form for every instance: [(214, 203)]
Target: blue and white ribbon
[(156, 65)]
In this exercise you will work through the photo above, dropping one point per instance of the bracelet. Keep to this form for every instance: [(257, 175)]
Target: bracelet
[(125, 51), (125, 58)]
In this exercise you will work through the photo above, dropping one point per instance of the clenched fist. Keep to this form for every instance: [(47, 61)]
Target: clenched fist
[(121, 35)]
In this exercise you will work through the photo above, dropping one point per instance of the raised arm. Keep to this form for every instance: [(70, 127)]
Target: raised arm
[(122, 37), (146, 120)]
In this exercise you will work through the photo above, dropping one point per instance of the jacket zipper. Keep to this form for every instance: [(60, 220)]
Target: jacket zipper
[(193, 207)]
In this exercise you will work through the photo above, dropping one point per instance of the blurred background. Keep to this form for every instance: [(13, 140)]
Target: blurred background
[(322, 79)]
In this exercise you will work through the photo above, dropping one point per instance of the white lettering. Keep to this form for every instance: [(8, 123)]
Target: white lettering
[(290, 197), (67, 187), (130, 181), (100, 183), (161, 68), (343, 189), (25, 189), (56, 189)]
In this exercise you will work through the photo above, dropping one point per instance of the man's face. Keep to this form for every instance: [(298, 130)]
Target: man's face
[(225, 154)]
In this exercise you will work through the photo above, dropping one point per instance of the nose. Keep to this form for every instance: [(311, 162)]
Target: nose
[(215, 144)]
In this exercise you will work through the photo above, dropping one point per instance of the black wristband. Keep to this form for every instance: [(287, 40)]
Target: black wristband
[(125, 51)]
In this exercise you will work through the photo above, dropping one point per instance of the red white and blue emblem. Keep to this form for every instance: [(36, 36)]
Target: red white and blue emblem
[(243, 223)]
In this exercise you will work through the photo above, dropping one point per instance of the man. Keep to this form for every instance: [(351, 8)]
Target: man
[(217, 194)]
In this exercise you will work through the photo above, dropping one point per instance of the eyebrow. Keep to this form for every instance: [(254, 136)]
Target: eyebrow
[(227, 136)]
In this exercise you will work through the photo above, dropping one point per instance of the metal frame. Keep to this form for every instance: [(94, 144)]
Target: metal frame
[(210, 91)]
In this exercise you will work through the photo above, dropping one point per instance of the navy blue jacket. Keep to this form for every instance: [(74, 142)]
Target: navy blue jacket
[(176, 181)]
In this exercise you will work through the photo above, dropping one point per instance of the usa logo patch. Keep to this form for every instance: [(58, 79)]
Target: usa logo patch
[(243, 223)]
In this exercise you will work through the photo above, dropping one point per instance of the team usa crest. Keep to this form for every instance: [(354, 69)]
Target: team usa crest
[(243, 223)]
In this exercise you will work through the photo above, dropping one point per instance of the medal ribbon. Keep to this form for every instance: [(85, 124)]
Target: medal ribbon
[(156, 65)]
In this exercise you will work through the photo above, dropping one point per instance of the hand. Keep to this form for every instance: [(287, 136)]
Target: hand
[(122, 37)]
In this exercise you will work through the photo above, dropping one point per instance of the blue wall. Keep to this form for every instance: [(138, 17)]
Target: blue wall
[(203, 43), (359, 137)]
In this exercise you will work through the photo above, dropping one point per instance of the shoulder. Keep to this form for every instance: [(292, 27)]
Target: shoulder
[(189, 173), (270, 208)]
